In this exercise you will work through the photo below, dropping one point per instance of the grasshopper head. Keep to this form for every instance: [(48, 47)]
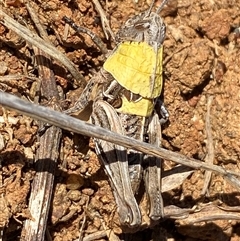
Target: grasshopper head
[(147, 26)]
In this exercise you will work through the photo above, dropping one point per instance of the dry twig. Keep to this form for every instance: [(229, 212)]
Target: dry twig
[(47, 153), (45, 46), (83, 222), (4, 209), (210, 148), (72, 124), (211, 212), (7, 78), (105, 23), (1, 198)]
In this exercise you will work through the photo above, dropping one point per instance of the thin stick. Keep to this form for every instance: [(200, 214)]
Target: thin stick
[(41, 44), (94, 236), (93, 36), (105, 23), (210, 148), (10, 77), (1, 197), (45, 161), (48, 151), (72, 124), (83, 221), (34, 17)]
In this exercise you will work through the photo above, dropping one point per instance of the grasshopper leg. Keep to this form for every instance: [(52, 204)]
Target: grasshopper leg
[(115, 161), (152, 175)]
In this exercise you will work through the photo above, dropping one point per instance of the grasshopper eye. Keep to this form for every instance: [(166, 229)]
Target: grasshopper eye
[(142, 26)]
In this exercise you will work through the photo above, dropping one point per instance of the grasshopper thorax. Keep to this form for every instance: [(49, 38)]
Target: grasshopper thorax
[(136, 63)]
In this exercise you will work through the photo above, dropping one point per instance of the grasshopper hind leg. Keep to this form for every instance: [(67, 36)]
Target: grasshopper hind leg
[(115, 161), (152, 172)]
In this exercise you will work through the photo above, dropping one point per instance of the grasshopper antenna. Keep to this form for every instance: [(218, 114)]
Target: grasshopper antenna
[(151, 6), (161, 6)]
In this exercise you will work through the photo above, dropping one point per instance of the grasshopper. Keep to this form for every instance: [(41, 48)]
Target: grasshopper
[(125, 94)]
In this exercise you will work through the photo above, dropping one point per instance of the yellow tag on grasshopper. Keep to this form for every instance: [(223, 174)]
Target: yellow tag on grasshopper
[(143, 107), (137, 67)]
